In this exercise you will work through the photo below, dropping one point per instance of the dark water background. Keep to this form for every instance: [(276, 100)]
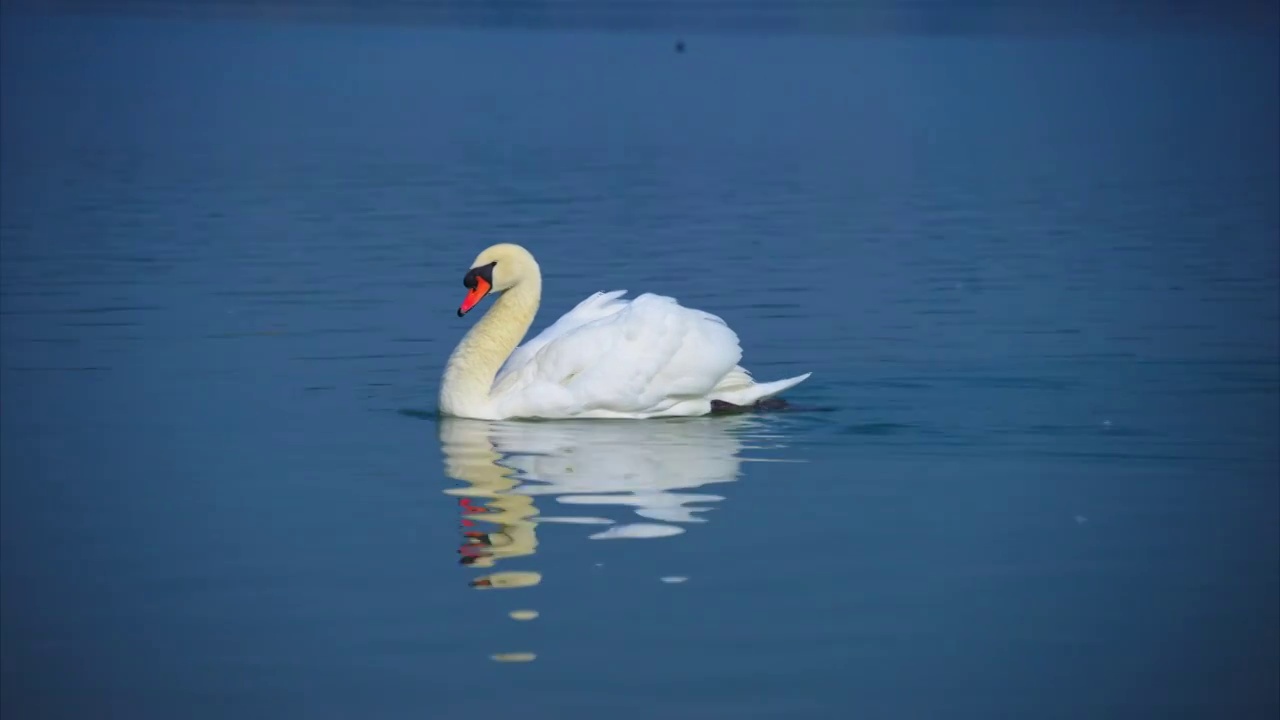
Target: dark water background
[(1035, 278)]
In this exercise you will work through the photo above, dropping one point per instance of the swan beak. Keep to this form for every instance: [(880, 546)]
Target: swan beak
[(479, 291)]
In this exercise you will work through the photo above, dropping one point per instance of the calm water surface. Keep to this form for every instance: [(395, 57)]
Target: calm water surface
[(1035, 279)]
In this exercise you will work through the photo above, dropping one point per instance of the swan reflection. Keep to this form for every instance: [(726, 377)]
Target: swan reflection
[(618, 478), (625, 479)]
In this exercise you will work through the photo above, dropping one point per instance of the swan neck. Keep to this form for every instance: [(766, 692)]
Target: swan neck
[(469, 375)]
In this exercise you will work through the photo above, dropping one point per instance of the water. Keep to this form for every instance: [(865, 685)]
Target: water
[(1035, 279)]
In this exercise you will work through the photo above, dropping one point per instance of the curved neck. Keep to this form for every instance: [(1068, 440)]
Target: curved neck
[(469, 374)]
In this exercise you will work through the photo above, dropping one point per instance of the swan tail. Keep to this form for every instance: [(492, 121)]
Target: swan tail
[(738, 388)]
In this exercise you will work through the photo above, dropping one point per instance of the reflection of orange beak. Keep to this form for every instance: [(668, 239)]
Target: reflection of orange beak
[(479, 291)]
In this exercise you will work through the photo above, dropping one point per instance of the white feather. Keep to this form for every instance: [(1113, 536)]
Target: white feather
[(646, 357), (606, 358)]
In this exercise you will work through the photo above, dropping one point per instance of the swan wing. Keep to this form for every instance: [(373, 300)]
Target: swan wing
[(645, 358), (599, 305)]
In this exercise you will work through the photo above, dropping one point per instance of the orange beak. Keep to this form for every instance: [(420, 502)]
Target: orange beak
[(479, 291)]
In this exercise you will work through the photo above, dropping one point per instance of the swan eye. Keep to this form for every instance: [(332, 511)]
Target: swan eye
[(484, 271)]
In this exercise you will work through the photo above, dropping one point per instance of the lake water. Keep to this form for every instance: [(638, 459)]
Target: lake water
[(1035, 279)]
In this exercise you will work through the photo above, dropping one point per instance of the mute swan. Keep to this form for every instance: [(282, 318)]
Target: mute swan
[(606, 358)]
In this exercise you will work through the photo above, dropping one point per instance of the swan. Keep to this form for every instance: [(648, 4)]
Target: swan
[(606, 358)]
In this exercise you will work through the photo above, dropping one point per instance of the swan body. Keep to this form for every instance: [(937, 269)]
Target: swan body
[(606, 358)]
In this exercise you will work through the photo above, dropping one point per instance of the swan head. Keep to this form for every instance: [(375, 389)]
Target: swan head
[(497, 269)]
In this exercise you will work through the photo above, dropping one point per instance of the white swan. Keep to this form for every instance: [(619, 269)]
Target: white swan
[(606, 358)]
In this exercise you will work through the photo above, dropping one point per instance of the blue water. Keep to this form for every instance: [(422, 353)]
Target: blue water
[(1035, 277)]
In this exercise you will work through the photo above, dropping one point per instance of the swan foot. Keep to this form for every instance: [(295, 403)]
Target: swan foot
[(720, 407)]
